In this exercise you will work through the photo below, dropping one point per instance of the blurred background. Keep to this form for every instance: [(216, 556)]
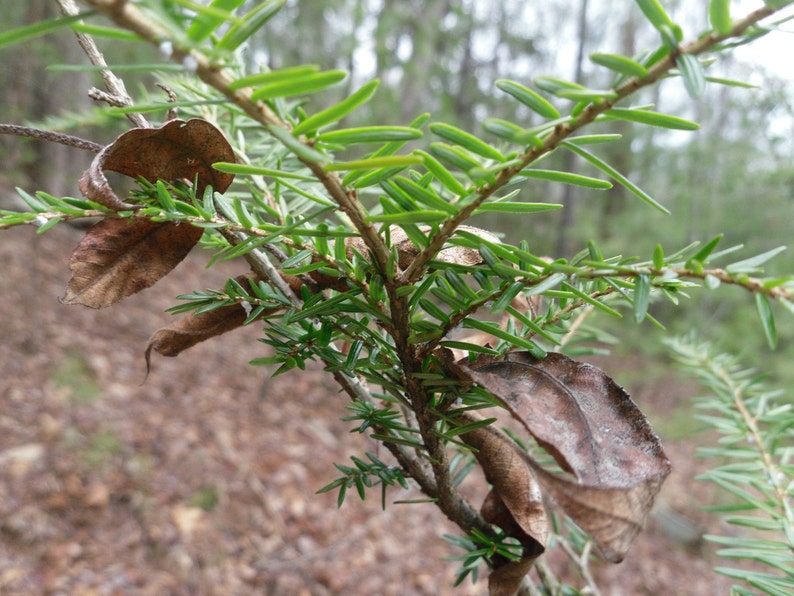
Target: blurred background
[(201, 480)]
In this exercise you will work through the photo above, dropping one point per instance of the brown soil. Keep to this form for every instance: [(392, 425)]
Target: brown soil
[(202, 480)]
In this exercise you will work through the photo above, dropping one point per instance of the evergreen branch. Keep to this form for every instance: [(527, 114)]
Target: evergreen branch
[(735, 390), (564, 130), (755, 425), (722, 374), (754, 285), (435, 483), (129, 16)]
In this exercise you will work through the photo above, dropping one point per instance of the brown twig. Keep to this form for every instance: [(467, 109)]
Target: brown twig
[(261, 265), (173, 112), (50, 136)]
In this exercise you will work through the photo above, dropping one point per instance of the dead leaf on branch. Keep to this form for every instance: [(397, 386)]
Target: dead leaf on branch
[(507, 579), (177, 150), (593, 430), (611, 516), (514, 503), (119, 257), (514, 489), (195, 328)]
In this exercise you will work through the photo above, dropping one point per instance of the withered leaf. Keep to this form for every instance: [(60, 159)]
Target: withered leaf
[(593, 430), (407, 251), (117, 258), (611, 516), (175, 151), (514, 487), (506, 580), (515, 504), (195, 328)]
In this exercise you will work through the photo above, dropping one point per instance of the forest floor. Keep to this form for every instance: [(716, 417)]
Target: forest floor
[(202, 479)]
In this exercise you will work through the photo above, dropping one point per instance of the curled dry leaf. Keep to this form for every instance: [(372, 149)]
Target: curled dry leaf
[(120, 257), (513, 487), (506, 580), (515, 503), (593, 430), (175, 151), (195, 328)]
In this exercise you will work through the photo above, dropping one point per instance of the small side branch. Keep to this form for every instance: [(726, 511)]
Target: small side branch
[(115, 92), (52, 137)]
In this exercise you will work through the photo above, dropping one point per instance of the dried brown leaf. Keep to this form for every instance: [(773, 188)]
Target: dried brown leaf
[(514, 487), (594, 431), (515, 504), (195, 328), (175, 151), (119, 257), (506, 580), (611, 516)]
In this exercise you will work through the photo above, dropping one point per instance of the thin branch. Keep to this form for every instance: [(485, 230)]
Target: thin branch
[(565, 130), (582, 563), (753, 285), (115, 92), (737, 395), (547, 576), (261, 265), (50, 136)]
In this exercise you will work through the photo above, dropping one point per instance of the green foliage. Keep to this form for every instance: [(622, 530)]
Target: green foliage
[(756, 428), (35, 30), (377, 273), (481, 549), (364, 475)]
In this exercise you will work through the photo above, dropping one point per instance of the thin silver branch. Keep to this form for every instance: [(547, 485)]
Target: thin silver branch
[(115, 92)]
